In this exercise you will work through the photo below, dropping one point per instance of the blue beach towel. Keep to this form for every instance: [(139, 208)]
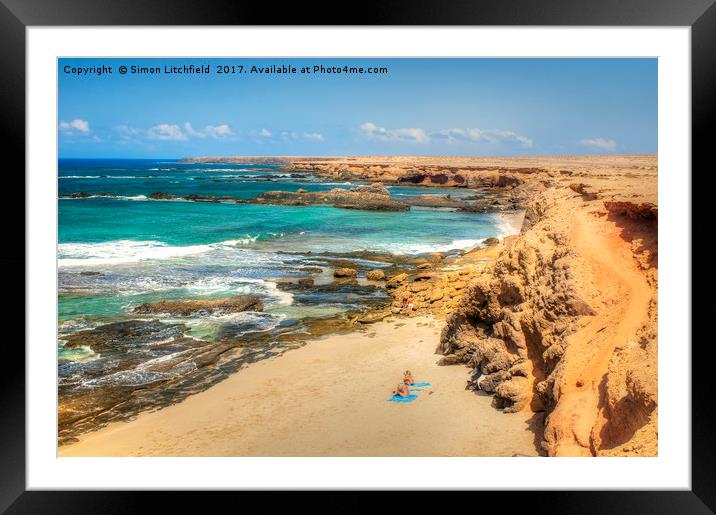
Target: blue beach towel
[(398, 398), (412, 396)]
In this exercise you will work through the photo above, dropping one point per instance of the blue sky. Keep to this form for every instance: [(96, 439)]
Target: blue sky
[(420, 107)]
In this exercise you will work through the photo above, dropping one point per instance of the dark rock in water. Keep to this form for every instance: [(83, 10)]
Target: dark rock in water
[(376, 198), (208, 198), (259, 323), (160, 195), (341, 263), (345, 272), (90, 273), (306, 281), (311, 269), (130, 332), (189, 307), (342, 291), (80, 194)]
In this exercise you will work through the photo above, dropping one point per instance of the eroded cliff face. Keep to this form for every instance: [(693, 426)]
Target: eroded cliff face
[(564, 321)]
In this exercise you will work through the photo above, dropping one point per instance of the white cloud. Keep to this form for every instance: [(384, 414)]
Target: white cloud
[(599, 144), (450, 136), (313, 136), (166, 132), (211, 131), (191, 132), (473, 134), (265, 133), (218, 131), (174, 132), (409, 135), (128, 133), (75, 126), (291, 136)]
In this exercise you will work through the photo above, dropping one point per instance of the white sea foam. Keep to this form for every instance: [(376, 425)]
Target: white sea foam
[(424, 248), (117, 197), (241, 286), (241, 241), (509, 224), (228, 170), (109, 177), (121, 251)]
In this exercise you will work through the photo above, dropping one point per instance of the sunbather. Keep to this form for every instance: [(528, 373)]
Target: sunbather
[(402, 390), (408, 377)]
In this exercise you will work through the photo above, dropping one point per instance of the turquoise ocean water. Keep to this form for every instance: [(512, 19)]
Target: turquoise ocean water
[(118, 249)]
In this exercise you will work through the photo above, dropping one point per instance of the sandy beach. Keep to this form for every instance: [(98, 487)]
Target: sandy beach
[(329, 398)]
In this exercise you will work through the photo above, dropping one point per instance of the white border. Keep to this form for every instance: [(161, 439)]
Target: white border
[(671, 469)]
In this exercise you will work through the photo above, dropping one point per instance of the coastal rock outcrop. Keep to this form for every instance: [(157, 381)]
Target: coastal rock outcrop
[(373, 198), (123, 334), (189, 307), (375, 275)]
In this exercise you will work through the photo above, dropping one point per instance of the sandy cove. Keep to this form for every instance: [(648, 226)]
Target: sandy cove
[(329, 398)]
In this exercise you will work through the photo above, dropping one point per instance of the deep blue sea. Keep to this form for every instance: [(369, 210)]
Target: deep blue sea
[(118, 249)]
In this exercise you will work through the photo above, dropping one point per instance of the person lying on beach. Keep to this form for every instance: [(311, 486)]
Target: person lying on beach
[(408, 377), (402, 390)]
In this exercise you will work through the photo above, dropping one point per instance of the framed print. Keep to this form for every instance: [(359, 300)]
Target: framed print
[(385, 253)]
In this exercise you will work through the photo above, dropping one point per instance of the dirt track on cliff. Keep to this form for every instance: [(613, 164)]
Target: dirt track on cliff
[(620, 293)]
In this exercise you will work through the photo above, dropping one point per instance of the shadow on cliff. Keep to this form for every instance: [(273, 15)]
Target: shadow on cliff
[(624, 418), (536, 425), (639, 231)]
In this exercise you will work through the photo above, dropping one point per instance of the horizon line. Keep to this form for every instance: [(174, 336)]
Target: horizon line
[(521, 156)]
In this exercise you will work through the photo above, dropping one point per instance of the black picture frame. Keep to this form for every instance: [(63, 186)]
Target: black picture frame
[(17, 15)]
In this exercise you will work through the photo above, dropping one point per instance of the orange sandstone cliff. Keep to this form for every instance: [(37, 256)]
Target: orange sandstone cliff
[(565, 319)]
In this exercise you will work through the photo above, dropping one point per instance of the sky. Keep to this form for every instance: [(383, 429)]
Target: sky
[(466, 107)]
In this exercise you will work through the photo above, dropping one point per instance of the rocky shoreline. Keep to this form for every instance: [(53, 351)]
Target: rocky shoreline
[(372, 197), (560, 319)]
